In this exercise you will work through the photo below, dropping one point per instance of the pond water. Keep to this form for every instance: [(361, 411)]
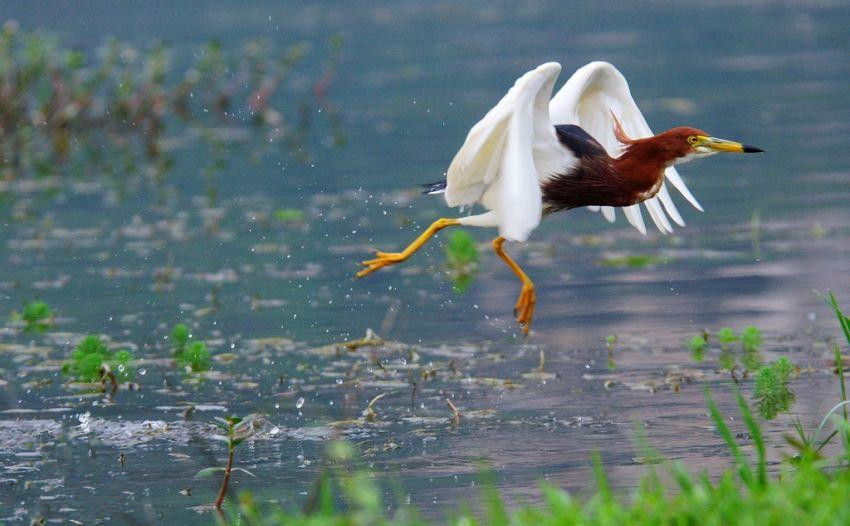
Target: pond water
[(132, 258)]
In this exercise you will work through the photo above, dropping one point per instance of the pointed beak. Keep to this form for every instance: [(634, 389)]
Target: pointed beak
[(722, 145)]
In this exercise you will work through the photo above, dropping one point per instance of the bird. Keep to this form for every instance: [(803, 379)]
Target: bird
[(534, 154)]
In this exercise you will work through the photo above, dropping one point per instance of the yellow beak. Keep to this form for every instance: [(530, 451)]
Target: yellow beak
[(722, 145)]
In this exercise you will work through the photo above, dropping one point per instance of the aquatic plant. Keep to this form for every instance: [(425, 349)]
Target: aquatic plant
[(632, 260), (92, 361), (234, 431), (697, 346), (192, 356), (772, 392), (288, 215), (63, 109), (461, 259), (748, 355), (751, 338), (36, 315), (610, 345), (726, 336)]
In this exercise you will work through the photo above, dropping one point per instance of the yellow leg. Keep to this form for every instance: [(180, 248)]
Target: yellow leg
[(524, 308), (384, 259)]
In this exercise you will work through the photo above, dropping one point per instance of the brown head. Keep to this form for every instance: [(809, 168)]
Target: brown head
[(679, 145)]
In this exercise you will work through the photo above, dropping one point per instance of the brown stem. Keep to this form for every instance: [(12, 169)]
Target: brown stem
[(223, 491)]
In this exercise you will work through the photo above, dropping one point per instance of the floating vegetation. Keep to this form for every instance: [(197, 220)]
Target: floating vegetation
[(697, 345), (749, 357), (192, 356), (288, 215), (69, 111), (93, 362), (461, 259), (36, 315), (234, 431), (632, 260)]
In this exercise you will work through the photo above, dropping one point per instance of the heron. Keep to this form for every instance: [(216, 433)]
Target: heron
[(521, 167)]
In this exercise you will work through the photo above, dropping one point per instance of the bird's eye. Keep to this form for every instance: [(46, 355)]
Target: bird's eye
[(693, 139)]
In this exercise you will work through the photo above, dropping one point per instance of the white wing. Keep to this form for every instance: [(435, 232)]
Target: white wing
[(587, 99), (507, 153)]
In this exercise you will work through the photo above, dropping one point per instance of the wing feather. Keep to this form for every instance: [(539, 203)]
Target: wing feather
[(587, 99), (507, 153)]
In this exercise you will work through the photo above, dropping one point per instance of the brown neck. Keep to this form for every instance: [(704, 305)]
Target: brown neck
[(641, 168)]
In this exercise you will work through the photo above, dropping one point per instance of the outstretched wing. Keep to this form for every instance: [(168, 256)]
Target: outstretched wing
[(507, 153), (587, 99)]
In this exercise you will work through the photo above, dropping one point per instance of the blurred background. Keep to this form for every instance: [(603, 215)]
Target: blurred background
[(227, 165)]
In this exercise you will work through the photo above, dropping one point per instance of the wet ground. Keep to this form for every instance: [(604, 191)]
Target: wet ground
[(271, 293)]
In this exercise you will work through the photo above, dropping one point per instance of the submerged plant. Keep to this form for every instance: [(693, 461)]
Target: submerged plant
[(92, 361), (36, 315), (772, 393), (697, 346), (192, 356), (462, 259), (234, 431)]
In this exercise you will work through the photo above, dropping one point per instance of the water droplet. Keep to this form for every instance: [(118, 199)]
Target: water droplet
[(300, 403)]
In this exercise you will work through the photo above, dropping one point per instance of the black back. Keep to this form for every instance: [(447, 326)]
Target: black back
[(579, 141)]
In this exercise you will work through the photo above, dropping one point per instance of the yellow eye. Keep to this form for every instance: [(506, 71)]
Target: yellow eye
[(693, 139)]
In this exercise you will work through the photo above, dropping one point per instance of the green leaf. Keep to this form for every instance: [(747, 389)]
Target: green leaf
[(207, 472), (243, 470)]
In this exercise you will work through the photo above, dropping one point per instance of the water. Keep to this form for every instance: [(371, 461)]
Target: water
[(131, 259)]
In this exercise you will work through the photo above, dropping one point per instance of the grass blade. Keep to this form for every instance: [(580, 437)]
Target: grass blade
[(744, 469), (755, 433)]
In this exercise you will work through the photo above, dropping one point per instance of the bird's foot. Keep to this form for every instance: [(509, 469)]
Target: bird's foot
[(524, 308), (382, 259)]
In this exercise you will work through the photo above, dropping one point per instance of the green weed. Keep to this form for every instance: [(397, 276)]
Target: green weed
[(730, 355), (36, 315), (772, 392), (461, 259), (632, 261), (288, 215), (92, 361), (192, 356), (697, 345)]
